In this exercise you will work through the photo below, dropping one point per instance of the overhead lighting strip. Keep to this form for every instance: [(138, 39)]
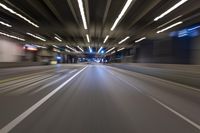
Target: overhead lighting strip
[(88, 39), (58, 39), (55, 46), (5, 24), (124, 40), (141, 39), (168, 22), (197, 27), (113, 52), (17, 14), (72, 48), (80, 4), (37, 37), (169, 27), (110, 50), (100, 49), (128, 3), (171, 9), (67, 50), (120, 49), (80, 48), (90, 49), (106, 39), (11, 36)]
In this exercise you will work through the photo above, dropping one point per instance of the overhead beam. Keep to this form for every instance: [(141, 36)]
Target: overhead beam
[(54, 11)]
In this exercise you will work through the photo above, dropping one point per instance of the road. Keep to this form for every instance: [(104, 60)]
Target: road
[(94, 99)]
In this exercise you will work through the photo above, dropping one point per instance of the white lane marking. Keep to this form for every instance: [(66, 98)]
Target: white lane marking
[(21, 117), (176, 113), (163, 80), (160, 103)]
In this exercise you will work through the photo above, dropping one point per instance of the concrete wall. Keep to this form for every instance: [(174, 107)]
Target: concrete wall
[(169, 50), (10, 51), (196, 50)]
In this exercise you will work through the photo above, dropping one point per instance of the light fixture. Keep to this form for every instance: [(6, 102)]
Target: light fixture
[(194, 28), (113, 52), (141, 39), (38, 46), (11, 36), (120, 49), (87, 36), (110, 50), (80, 48), (72, 48), (106, 39), (37, 37), (55, 46), (58, 39), (168, 22), (169, 27), (17, 14), (5, 24), (100, 49), (80, 4), (90, 49), (121, 14), (170, 10), (124, 40), (67, 50), (56, 50)]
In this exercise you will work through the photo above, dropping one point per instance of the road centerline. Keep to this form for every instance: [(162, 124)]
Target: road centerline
[(26, 113)]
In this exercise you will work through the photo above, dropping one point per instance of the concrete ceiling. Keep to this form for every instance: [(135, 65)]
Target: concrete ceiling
[(62, 17)]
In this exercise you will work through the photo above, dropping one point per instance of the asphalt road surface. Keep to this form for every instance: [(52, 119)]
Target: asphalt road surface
[(94, 99)]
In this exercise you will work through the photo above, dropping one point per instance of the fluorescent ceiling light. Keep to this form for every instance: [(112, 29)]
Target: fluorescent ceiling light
[(90, 49), (87, 36), (67, 50), (80, 4), (100, 49), (58, 39), (113, 52), (80, 48), (106, 39), (11, 36), (169, 27), (37, 37), (141, 39), (124, 40), (120, 49), (17, 14), (5, 24), (72, 48), (170, 10), (110, 50), (168, 22), (55, 46), (197, 27), (121, 14), (56, 50)]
